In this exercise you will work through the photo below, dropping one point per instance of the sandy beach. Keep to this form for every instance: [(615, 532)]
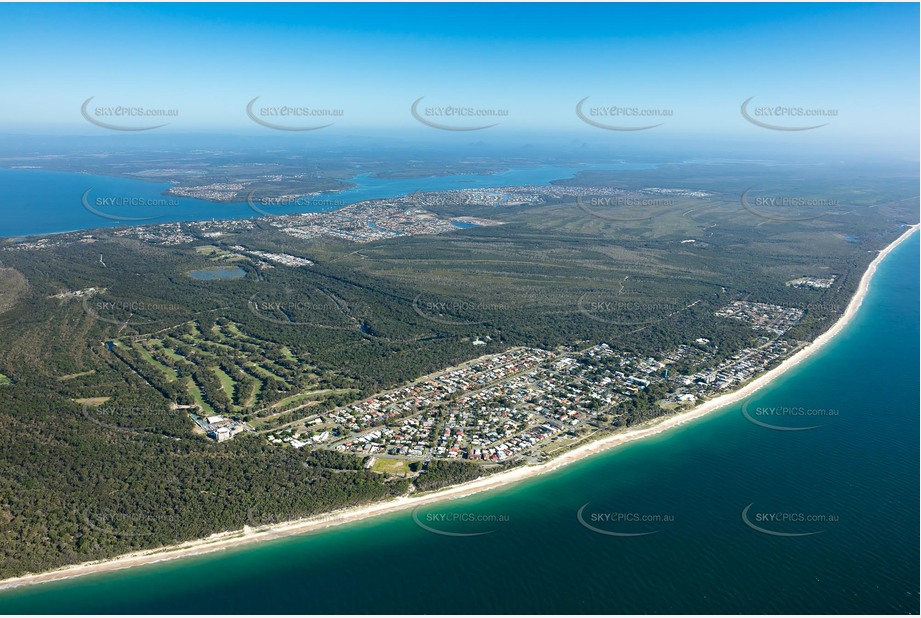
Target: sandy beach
[(247, 535)]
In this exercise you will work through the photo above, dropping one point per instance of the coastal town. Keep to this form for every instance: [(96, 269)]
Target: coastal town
[(527, 404)]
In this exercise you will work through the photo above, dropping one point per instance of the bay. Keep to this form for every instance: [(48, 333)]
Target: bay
[(48, 202)]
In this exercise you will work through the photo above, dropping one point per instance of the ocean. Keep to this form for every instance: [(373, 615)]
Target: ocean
[(721, 515)]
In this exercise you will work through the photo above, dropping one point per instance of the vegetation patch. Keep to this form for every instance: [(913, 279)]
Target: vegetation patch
[(71, 376), (92, 401)]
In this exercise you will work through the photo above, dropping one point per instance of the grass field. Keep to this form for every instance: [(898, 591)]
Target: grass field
[(196, 395), (294, 399), (169, 372), (561, 444), (390, 466), (265, 373), (170, 352), (227, 382), (219, 255)]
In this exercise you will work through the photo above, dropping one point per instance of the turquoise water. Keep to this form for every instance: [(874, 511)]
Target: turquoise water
[(211, 274), (860, 467), (44, 202)]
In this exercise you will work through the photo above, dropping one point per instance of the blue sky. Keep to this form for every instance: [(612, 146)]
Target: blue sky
[(372, 61)]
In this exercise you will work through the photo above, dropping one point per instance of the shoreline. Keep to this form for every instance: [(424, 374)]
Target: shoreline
[(573, 170), (246, 536)]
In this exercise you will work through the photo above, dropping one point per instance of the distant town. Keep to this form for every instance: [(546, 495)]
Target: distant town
[(364, 221)]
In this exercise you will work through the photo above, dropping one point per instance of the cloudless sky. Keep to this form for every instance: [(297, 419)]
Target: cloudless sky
[(537, 61)]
